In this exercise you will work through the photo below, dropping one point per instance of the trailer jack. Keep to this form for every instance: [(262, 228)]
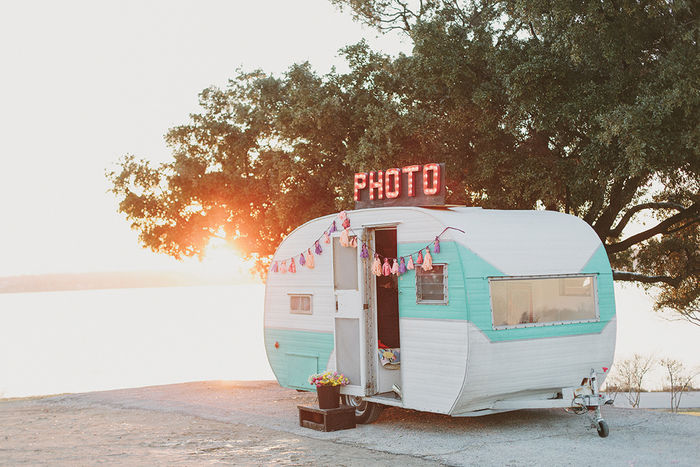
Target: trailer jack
[(587, 400)]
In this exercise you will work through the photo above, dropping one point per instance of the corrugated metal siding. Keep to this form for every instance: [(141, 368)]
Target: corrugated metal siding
[(497, 370), (524, 242), (300, 354), (433, 357)]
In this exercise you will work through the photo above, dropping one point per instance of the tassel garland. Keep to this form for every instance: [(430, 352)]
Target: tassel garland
[(428, 263), (396, 266)]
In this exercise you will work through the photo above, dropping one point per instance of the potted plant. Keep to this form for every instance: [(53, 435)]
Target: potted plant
[(328, 388)]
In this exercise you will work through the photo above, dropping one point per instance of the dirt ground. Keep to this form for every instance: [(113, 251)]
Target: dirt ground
[(256, 423)]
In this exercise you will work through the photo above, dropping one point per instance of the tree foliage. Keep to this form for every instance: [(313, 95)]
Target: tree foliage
[(590, 108)]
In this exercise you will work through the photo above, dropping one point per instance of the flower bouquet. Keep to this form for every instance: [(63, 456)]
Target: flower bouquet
[(328, 388)]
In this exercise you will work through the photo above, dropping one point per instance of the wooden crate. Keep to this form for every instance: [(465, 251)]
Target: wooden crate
[(341, 418)]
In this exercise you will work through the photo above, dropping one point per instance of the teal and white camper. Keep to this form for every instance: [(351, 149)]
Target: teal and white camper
[(517, 310)]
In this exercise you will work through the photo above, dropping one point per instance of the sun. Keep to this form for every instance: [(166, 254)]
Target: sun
[(222, 261)]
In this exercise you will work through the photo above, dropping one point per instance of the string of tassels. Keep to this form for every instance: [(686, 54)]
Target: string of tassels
[(382, 265)]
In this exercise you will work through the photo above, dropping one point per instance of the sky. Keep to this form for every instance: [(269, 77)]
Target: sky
[(84, 83)]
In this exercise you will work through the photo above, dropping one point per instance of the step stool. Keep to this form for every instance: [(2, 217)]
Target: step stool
[(341, 418)]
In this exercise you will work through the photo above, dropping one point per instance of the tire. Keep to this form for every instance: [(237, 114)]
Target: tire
[(603, 429), (365, 412)]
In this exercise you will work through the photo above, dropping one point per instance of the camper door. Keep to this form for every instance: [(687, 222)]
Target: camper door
[(350, 319)]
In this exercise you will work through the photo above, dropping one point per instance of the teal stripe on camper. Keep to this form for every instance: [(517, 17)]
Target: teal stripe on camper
[(456, 308), (479, 301), (300, 354), (469, 294)]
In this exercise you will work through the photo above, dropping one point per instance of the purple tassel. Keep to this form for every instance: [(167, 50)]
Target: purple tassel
[(333, 228), (275, 268), (346, 223), (364, 253), (318, 248), (402, 266), (437, 245), (302, 260)]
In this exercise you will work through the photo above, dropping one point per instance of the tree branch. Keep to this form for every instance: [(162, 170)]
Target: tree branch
[(661, 227), (615, 232), (638, 277), (532, 31), (621, 193)]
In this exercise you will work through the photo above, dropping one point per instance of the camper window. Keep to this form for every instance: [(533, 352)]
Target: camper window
[(300, 304), (537, 301), (431, 286)]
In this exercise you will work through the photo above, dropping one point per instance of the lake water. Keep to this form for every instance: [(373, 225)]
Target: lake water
[(76, 341), (55, 342)]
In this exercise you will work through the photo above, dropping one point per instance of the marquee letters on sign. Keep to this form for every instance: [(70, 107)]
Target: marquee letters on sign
[(412, 185)]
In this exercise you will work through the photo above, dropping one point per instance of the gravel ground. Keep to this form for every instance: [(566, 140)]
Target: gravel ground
[(257, 423)]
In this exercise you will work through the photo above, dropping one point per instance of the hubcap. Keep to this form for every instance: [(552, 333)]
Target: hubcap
[(357, 402)]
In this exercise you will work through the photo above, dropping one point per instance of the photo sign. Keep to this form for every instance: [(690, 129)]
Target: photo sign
[(413, 185)]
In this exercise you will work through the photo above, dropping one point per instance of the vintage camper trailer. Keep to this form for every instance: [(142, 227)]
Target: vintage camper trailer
[(516, 312)]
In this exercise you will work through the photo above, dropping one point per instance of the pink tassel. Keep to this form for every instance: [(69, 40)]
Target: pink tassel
[(283, 267), (428, 263), (386, 268), (353, 242), (377, 266), (344, 239), (419, 260), (326, 237), (309, 259), (410, 265), (346, 223), (395, 267), (292, 267), (342, 215)]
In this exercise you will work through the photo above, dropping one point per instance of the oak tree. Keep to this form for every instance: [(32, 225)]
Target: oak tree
[(589, 108)]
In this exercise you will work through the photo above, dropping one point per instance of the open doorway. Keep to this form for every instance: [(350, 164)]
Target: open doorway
[(387, 292), (387, 302)]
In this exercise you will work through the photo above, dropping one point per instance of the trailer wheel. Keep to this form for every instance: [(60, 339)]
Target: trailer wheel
[(602, 427), (365, 411)]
